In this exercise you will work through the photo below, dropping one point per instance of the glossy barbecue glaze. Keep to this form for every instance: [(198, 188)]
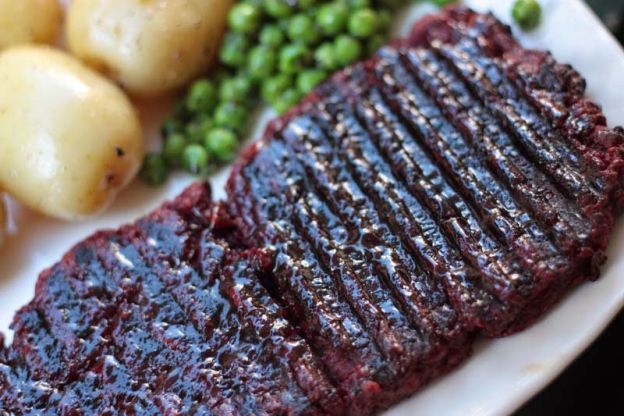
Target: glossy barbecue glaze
[(161, 317), (455, 185), (431, 173)]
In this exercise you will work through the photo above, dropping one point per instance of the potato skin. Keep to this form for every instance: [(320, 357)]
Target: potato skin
[(69, 139), (29, 21), (150, 47)]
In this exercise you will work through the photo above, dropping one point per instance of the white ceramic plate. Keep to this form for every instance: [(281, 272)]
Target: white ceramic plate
[(502, 374)]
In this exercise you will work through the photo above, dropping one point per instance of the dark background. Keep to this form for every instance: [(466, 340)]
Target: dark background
[(594, 384)]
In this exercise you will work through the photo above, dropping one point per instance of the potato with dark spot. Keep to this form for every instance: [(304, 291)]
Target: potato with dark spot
[(70, 140)]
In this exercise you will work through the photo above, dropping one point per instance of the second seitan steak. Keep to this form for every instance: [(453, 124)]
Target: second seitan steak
[(454, 184)]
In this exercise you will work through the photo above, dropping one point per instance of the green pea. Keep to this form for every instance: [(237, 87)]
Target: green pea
[(359, 4), (347, 49), (305, 4), (273, 87), (384, 20), (277, 8), (363, 23), (202, 97), (527, 13), (325, 57), (283, 24), (244, 17), (233, 50), (173, 149), (230, 115), (154, 170), (332, 18), (195, 159), (375, 43), (222, 144), (271, 35), (197, 128), (307, 80), (261, 62), (286, 100), (293, 58), (301, 29), (236, 89)]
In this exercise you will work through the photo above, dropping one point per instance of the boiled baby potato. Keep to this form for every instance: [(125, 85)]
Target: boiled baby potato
[(69, 139), (29, 21), (148, 46)]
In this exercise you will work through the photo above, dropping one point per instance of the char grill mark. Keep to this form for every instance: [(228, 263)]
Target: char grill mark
[(483, 223), (344, 262), (128, 340), (219, 356), (530, 186), (444, 205), (459, 220), (331, 231), (22, 364), (289, 352), (435, 136), (36, 349), (472, 217), (158, 342), (411, 220), (320, 304), (554, 121), (189, 334), (493, 204), (306, 207), (582, 124), (545, 145), (555, 90), (82, 336), (93, 353), (241, 374), (19, 394), (371, 301), (553, 271), (104, 389), (136, 343), (341, 249), (421, 299)]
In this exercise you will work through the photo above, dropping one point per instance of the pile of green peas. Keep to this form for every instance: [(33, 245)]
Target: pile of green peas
[(275, 51)]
